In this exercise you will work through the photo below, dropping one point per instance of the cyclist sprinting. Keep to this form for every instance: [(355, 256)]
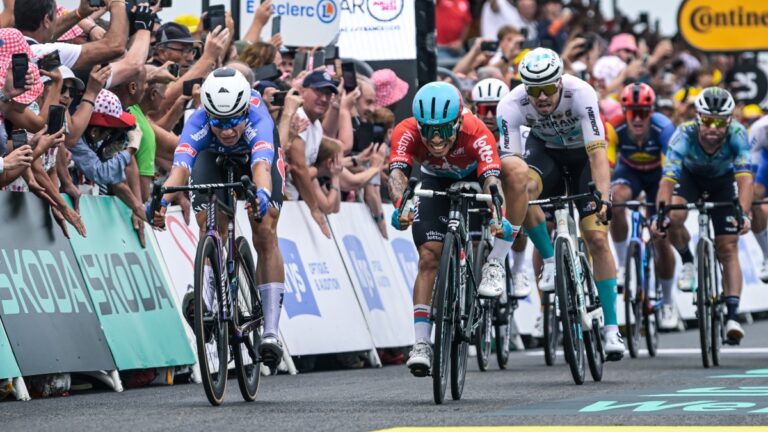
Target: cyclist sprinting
[(451, 145), (758, 141), (710, 155), (566, 133), (486, 95), (643, 136), (234, 120)]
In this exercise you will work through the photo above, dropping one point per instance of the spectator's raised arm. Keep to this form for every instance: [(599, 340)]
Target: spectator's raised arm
[(113, 44)]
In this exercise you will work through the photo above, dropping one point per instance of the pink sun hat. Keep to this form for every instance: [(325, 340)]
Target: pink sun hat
[(389, 88)]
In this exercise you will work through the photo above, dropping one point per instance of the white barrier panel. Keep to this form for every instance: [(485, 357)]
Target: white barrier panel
[(382, 290), (178, 245), (321, 313)]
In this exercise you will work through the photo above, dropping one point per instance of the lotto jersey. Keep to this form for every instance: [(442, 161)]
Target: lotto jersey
[(257, 139), (686, 151), (647, 155), (474, 151), (574, 123)]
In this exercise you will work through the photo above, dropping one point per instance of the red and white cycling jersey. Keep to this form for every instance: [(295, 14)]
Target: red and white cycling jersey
[(475, 150)]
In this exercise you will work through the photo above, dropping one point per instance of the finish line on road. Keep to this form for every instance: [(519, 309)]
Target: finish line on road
[(579, 429)]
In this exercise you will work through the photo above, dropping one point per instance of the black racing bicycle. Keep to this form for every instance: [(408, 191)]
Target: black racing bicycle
[(710, 302), (221, 280), (456, 307)]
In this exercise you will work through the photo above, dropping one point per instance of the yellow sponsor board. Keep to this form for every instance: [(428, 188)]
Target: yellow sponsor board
[(724, 25)]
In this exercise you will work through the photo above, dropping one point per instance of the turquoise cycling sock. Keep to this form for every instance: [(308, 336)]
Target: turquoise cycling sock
[(606, 289), (540, 238)]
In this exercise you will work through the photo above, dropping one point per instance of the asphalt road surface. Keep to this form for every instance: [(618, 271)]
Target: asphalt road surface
[(671, 389)]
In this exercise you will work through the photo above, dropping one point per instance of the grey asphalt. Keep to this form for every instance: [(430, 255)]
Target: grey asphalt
[(641, 391)]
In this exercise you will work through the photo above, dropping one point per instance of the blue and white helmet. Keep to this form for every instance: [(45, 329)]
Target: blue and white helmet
[(541, 66), (225, 93)]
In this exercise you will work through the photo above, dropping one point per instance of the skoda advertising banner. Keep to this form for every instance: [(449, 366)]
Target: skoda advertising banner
[(8, 366), (129, 291), (303, 23), (724, 26), (45, 307)]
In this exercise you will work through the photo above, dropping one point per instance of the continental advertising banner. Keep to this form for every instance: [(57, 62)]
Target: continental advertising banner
[(724, 26), (44, 305), (130, 295)]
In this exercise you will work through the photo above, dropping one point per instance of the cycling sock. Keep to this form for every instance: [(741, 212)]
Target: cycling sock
[(621, 251), (540, 238), (667, 287), (732, 303), (518, 261), (608, 329), (762, 241), (606, 289), (271, 303), (421, 323), (501, 246), (685, 254)]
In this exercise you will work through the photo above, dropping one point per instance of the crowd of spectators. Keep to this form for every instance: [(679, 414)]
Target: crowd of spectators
[(126, 81)]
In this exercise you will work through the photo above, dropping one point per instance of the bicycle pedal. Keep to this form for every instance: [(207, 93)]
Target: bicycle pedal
[(420, 371), (732, 341), (614, 356)]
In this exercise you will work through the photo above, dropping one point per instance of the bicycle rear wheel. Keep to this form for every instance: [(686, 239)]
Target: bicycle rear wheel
[(703, 296), (565, 286), (503, 314), (443, 302), (211, 331), (551, 328), (248, 310), (482, 337), (632, 288), (592, 339), (652, 317)]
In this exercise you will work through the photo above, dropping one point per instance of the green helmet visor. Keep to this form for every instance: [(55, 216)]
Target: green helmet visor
[(444, 130)]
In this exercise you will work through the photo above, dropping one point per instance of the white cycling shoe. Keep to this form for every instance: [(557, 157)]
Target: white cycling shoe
[(538, 327), (620, 276), (669, 318), (521, 287), (492, 283), (420, 359), (547, 280), (733, 332), (687, 280), (614, 346), (763, 275)]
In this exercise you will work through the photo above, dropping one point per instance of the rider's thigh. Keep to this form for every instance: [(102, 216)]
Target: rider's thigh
[(514, 172), (265, 232), (620, 193)]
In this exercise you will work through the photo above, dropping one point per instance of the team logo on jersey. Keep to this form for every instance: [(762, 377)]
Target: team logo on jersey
[(260, 146), (458, 152), (402, 144), (484, 150), (197, 136), (593, 121), (186, 149), (255, 101)]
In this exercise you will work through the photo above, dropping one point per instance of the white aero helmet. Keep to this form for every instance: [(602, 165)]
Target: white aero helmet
[(225, 93), (541, 66), (715, 101), (489, 90)]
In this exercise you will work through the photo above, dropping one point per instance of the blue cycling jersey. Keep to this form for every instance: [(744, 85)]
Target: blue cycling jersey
[(258, 138), (647, 155), (686, 151)]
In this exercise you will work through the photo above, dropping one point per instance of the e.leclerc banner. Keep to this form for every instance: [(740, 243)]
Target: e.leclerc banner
[(131, 297), (44, 306), (303, 23), (724, 26)]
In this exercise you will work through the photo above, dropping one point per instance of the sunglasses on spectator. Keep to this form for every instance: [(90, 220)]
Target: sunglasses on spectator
[(444, 130), (547, 89), (638, 113), (183, 51), (226, 123), (484, 108), (714, 122), (73, 91)]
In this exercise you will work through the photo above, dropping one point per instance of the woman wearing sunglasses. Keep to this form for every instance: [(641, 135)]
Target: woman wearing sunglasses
[(707, 156), (643, 136), (566, 135), (451, 145), (234, 120)]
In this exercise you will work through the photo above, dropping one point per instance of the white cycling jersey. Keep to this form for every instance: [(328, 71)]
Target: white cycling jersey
[(758, 137), (574, 123)]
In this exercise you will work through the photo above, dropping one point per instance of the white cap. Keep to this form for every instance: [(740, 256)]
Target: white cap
[(67, 73)]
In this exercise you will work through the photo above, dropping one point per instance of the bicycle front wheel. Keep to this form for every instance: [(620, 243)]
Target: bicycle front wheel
[(551, 328), (443, 303), (464, 319), (632, 288), (248, 310), (652, 315), (592, 338), (704, 289), (567, 299), (718, 320), (211, 330)]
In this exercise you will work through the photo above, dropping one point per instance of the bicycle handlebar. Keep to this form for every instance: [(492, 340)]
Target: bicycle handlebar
[(701, 206), (594, 195), (633, 204)]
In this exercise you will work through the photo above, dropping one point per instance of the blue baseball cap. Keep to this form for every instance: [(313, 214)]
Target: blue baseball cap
[(320, 79)]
